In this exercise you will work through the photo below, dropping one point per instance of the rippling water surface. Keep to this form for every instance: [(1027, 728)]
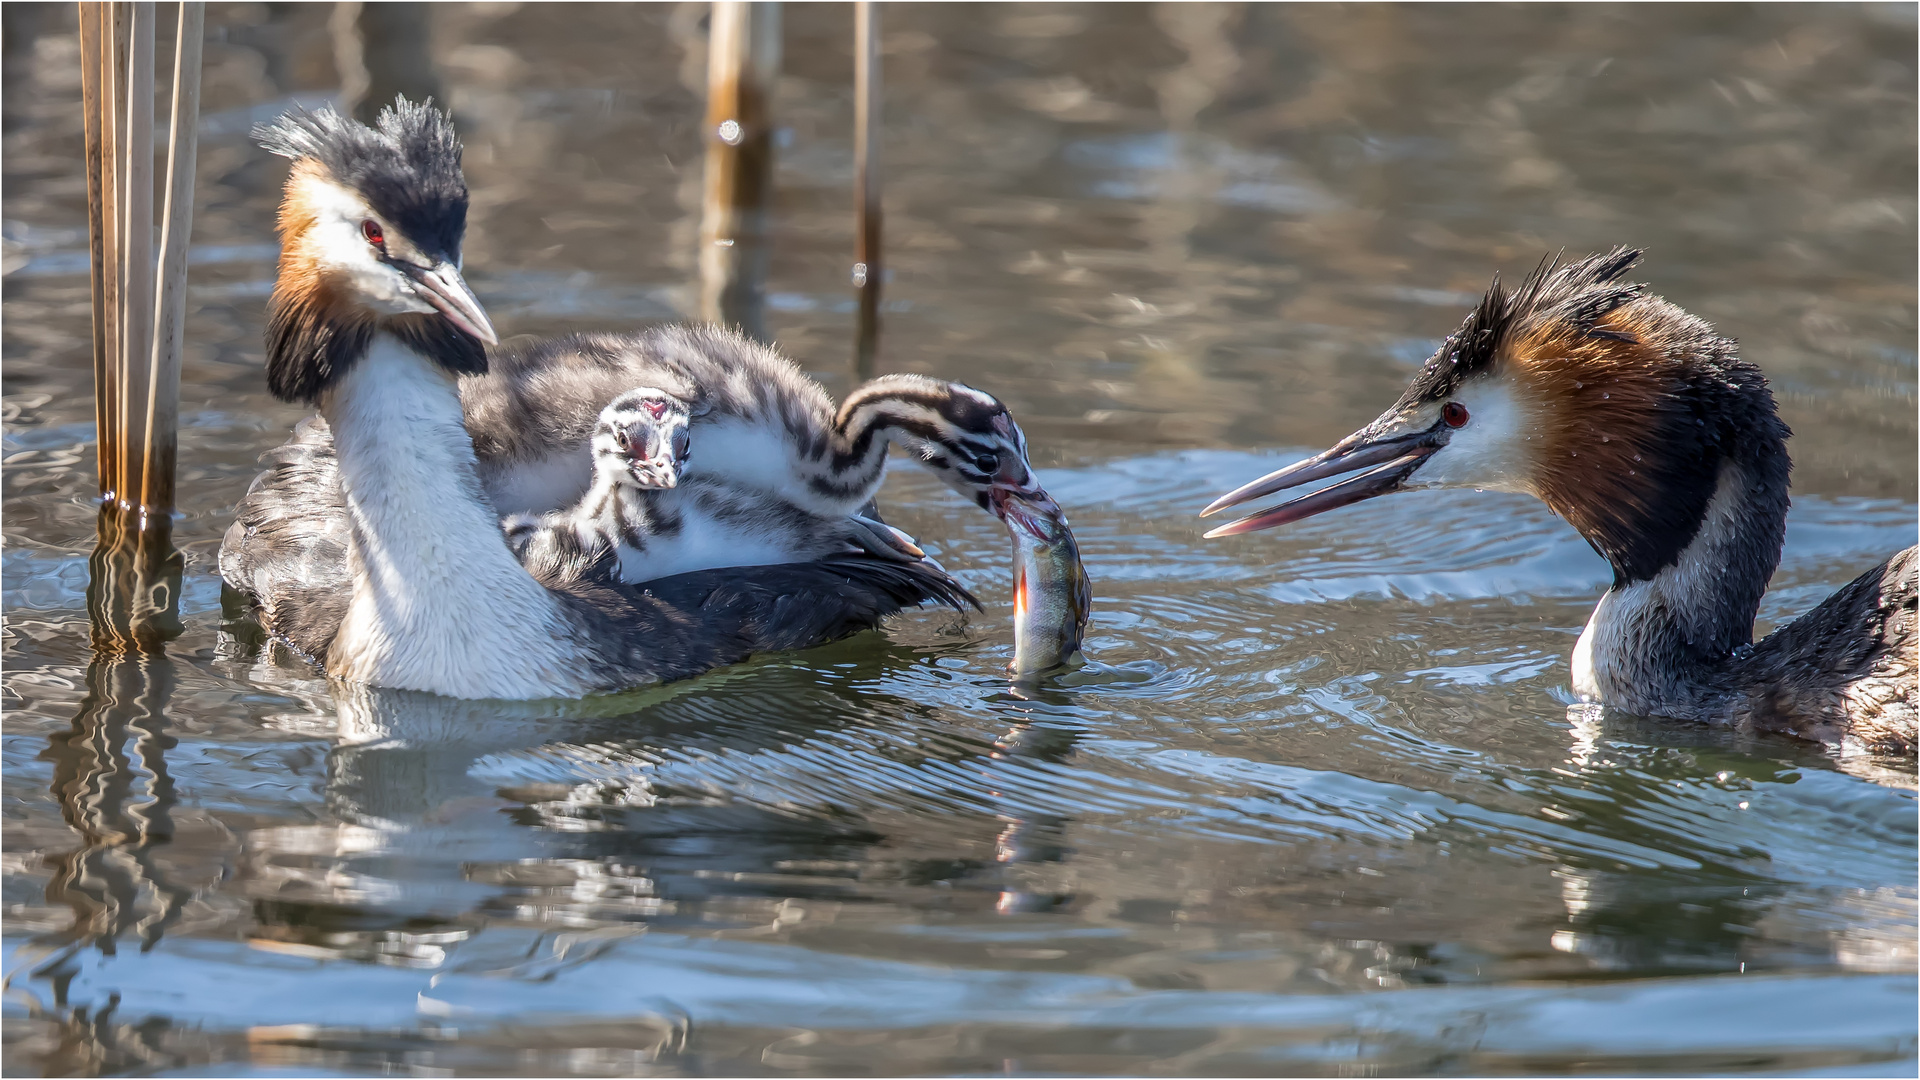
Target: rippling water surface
[(1318, 806)]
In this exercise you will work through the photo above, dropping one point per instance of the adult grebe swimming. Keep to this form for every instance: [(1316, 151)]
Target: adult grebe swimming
[(1644, 429), (371, 544)]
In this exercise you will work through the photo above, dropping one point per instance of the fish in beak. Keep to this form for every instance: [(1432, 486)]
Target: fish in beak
[(1391, 450)]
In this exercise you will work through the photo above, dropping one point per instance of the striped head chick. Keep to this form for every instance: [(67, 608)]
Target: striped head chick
[(642, 441), (964, 436), (640, 450), (371, 226)]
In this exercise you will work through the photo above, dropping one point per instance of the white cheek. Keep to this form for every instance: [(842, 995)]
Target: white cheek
[(1494, 451), (338, 245)]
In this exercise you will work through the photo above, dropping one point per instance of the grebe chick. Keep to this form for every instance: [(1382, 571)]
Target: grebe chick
[(699, 518), (641, 445), (1645, 430), (370, 544), (761, 422)]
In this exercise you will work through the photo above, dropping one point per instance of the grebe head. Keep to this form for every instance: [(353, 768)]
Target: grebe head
[(1614, 407), (966, 437), (371, 226), (641, 439)]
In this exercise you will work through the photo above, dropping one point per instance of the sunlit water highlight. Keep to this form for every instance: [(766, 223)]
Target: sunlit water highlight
[(1318, 804)]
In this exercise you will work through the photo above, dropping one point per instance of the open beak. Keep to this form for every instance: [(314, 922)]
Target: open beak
[(444, 288), (1388, 459)]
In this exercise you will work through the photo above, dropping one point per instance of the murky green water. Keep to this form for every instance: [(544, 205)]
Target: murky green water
[(1320, 806)]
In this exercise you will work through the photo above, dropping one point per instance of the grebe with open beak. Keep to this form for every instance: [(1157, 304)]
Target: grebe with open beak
[(1644, 429)]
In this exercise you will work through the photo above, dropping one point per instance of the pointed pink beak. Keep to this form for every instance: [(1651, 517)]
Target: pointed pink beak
[(1392, 460)]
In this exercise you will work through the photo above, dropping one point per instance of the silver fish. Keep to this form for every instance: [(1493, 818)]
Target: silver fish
[(1052, 597)]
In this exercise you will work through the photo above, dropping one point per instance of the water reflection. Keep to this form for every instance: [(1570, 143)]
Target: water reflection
[(381, 50), (110, 778), (111, 782), (1048, 730), (119, 801), (1323, 810), (690, 803)]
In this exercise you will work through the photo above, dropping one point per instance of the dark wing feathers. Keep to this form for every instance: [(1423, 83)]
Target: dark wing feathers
[(287, 546), (1848, 667)]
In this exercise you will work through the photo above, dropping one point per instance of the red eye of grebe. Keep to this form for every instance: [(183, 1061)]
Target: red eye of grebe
[(1455, 414), (371, 230)]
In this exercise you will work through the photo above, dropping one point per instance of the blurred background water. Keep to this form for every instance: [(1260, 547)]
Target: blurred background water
[(1320, 807)]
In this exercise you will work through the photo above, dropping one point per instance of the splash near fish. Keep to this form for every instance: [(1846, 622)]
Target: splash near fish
[(1052, 596)]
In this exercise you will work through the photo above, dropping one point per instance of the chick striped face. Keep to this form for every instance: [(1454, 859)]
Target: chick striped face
[(970, 441), (641, 440), (962, 435), (974, 461)]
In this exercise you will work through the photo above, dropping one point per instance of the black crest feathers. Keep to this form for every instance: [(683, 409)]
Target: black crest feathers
[(407, 166), (1576, 294)]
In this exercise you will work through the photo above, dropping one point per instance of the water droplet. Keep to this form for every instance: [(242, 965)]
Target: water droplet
[(859, 275), (730, 132), (1605, 438), (1604, 396), (1578, 385), (1636, 457)]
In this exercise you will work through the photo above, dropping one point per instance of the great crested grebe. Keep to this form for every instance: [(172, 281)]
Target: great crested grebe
[(1644, 429), (370, 543)]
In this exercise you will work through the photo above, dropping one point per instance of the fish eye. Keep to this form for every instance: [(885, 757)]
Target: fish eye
[(1455, 414), (987, 463), (371, 230)]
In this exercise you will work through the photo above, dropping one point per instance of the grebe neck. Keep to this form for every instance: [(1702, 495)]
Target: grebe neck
[(1654, 641), (439, 602)]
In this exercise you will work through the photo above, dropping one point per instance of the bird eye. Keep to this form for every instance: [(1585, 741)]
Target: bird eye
[(987, 463), (1455, 414), (371, 230), (620, 437)]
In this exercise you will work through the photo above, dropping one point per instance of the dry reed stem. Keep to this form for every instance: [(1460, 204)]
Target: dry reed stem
[(743, 60), (867, 270), (94, 48), (161, 447), (136, 266)]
